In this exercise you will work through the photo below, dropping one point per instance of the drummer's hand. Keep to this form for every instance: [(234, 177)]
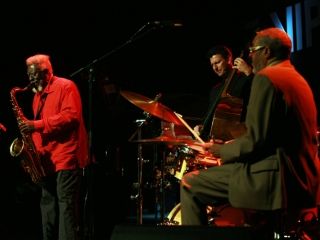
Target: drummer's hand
[(207, 145), (197, 129), (213, 148)]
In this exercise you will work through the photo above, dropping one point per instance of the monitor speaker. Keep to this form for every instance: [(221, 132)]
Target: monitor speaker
[(142, 232)]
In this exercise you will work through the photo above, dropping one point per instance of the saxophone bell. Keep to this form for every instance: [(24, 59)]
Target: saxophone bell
[(16, 147)]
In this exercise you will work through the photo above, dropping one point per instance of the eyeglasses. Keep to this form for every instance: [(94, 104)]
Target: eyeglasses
[(256, 48)]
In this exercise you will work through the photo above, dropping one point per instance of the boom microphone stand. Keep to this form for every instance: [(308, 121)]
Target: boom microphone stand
[(89, 226)]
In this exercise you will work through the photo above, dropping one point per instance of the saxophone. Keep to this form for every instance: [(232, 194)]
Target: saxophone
[(25, 147)]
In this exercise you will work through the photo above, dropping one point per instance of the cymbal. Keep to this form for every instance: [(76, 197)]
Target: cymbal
[(153, 107), (194, 144), (164, 140)]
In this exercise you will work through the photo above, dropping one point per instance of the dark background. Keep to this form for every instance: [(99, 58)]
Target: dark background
[(167, 60)]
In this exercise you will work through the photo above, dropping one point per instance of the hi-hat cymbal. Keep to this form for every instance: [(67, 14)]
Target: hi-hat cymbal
[(153, 107), (194, 144), (163, 140)]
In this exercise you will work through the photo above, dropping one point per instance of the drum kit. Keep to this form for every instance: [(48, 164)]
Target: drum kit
[(185, 153)]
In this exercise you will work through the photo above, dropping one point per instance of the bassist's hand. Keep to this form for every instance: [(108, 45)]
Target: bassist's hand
[(242, 66)]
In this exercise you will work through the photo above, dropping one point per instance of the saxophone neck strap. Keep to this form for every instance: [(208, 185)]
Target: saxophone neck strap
[(41, 104)]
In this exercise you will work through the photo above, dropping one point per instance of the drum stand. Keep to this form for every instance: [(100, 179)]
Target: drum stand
[(160, 184), (162, 187), (138, 185), (159, 187), (152, 108)]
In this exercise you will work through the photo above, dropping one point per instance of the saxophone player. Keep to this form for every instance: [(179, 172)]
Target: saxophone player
[(60, 138)]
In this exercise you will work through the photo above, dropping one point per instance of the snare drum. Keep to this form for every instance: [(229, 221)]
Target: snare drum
[(180, 161), (183, 159)]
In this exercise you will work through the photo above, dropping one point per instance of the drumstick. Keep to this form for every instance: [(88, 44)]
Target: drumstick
[(194, 133), (190, 129)]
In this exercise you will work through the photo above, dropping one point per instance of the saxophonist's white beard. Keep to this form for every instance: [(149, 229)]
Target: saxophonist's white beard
[(38, 89)]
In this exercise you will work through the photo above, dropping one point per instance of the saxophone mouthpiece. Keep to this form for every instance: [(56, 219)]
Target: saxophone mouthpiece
[(30, 85)]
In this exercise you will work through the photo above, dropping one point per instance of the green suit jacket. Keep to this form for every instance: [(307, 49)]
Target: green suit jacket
[(275, 162)]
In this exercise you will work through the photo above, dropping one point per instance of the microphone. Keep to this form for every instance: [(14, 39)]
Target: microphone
[(166, 23), (2, 129)]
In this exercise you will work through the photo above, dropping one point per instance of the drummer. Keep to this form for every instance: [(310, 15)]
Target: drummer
[(221, 61), (275, 164)]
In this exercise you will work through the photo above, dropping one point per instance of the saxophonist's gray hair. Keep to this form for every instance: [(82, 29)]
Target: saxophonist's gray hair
[(42, 61)]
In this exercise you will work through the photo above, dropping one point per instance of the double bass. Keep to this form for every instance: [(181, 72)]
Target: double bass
[(226, 112)]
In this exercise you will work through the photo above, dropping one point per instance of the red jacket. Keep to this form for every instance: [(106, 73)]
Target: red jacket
[(60, 136)]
